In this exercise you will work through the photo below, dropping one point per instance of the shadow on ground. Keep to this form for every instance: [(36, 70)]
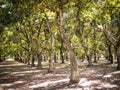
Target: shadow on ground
[(17, 76)]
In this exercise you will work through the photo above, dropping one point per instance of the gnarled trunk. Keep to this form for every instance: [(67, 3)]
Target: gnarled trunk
[(74, 77)]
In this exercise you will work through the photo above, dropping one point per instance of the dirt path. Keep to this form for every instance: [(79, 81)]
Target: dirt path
[(17, 76)]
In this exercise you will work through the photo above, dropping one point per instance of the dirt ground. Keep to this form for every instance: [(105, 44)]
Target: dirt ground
[(17, 76)]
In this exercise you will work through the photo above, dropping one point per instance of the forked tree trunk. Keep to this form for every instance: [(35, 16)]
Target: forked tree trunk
[(74, 77)]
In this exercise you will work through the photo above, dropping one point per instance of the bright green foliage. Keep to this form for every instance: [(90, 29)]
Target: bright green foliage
[(31, 25)]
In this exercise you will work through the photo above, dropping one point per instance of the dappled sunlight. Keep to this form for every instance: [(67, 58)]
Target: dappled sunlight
[(6, 85), (46, 83), (11, 65), (19, 82), (107, 76), (87, 83), (12, 85), (19, 75), (107, 85), (26, 72), (10, 59), (60, 75), (115, 72), (34, 79), (98, 84)]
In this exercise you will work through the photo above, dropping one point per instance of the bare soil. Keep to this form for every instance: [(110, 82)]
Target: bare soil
[(18, 76)]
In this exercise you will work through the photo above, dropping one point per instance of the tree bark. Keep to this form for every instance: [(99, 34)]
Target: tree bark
[(39, 64), (118, 52), (61, 52), (118, 58), (61, 55), (110, 57), (55, 58), (118, 43), (74, 77), (89, 60), (33, 61), (95, 57), (109, 50), (51, 65)]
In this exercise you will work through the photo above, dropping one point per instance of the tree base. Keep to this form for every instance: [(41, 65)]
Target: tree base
[(74, 79), (50, 70), (39, 67), (33, 65), (89, 65), (95, 62)]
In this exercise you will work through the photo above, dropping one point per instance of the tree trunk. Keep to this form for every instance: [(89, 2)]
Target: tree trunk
[(95, 58), (55, 58), (51, 65), (110, 57), (94, 44), (28, 62), (66, 56), (51, 44), (88, 56), (74, 77), (118, 58), (61, 55), (33, 61), (28, 58), (118, 52), (39, 64), (89, 60), (118, 44), (109, 51)]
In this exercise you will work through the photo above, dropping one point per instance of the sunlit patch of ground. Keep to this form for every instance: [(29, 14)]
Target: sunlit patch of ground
[(17, 76)]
